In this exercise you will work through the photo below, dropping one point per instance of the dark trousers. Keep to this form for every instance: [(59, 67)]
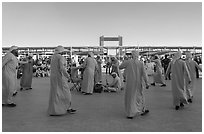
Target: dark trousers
[(169, 75), (197, 73), (108, 70)]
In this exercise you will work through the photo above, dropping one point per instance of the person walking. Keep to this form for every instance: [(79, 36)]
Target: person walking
[(98, 73), (192, 66), (197, 60), (90, 66), (134, 97), (115, 66), (157, 76), (27, 73), (60, 95), (165, 64), (179, 70), (9, 76)]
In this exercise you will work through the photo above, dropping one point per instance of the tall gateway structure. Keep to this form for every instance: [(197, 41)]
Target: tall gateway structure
[(119, 39), (102, 39)]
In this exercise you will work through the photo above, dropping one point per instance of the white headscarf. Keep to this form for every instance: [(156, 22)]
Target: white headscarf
[(91, 54), (188, 55), (60, 49), (13, 48), (177, 56), (135, 54), (30, 55)]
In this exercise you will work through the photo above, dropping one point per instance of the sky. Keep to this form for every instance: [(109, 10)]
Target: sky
[(49, 24)]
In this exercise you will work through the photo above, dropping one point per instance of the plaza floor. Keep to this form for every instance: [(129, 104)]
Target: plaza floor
[(102, 112)]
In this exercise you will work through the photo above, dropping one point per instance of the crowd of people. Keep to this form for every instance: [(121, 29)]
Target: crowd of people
[(181, 72), (41, 66)]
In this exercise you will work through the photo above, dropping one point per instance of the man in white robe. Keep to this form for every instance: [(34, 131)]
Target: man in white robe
[(115, 66), (9, 76), (115, 86), (179, 71), (60, 96), (135, 75), (157, 76), (27, 76), (191, 65), (98, 74), (90, 66)]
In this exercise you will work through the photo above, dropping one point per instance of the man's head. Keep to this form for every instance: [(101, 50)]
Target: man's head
[(156, 57), (14, 50), (188, 55), (60, 50), (177, 55), (98, 57), (112, 58), (90, 54), (30, 56), (135, 54)]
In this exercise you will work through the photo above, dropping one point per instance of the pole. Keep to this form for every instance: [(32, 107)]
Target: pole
[(71, 51)]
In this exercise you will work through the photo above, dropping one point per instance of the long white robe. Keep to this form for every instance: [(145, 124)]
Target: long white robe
[(60, 96), (115, 68), (191, 65), (158, 77), (134, 98), (115, 85), (98, 73), (9, 77), (26, 80), (90, 65), (179, 71)]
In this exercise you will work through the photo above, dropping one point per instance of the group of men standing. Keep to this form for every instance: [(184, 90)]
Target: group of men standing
[(182, 75)]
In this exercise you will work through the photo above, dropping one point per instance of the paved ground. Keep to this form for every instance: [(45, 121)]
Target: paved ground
[(101, 112)]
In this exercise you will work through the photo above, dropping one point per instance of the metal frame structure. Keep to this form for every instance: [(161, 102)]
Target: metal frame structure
[(102, 39)]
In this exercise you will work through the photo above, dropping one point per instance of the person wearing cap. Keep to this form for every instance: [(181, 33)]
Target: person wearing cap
[(115, 86), (157, 76), (134, 74), (27, 73), (179, 70), (9, 76), (191, 65), (60, 95), (90, 66)]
